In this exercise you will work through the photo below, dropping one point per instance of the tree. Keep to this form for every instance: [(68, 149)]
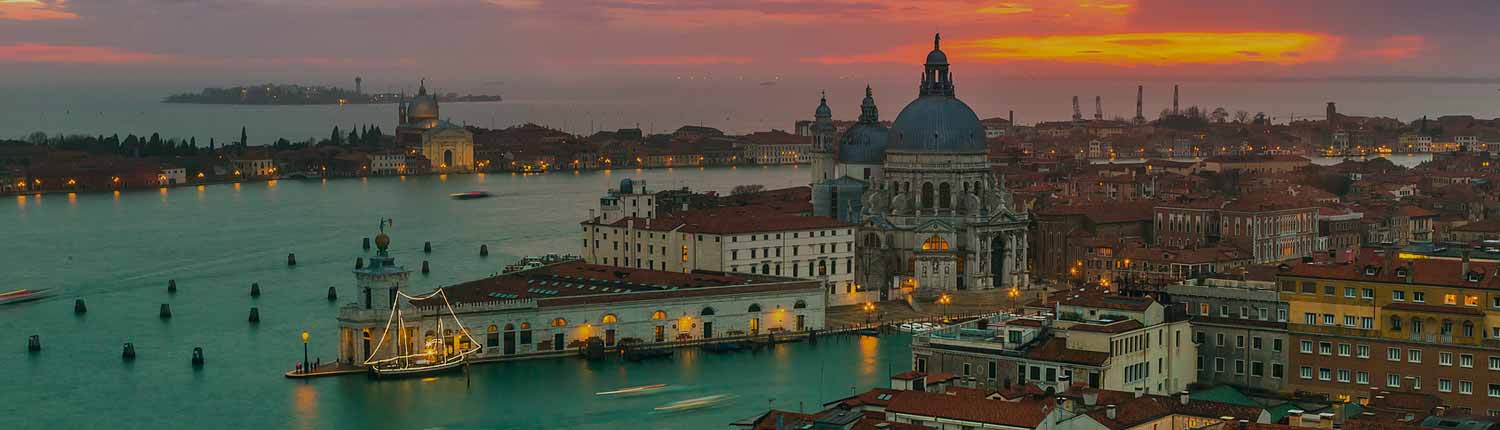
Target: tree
[(1260, 119), (336, 138), (37, 138), (244, 139), (1241, 116), (353, 137), (1219, 115)]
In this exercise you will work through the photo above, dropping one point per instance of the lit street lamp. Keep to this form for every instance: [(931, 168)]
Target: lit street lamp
[(944, 300), (304, 352)]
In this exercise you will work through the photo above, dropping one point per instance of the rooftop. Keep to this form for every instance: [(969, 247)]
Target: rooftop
[(576, 282)]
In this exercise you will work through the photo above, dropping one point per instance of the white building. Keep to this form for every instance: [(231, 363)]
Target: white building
[(172, 176), (756, 240), (258, 167), (556, 309), (779, 153), (388, 163)]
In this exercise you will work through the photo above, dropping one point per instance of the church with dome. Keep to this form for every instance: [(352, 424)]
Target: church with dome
[(448, 147), (932, 216)]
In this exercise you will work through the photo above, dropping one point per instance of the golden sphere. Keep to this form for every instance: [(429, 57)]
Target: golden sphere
[(382, 241)]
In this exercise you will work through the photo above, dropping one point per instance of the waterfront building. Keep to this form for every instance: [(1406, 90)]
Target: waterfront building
[(934, 217), (415, 116), (171, 175), (1263, 164), (757, 239), (1395, 322), (557, 309), (1136, 263), (1096, 339), (1239, 326), (449, 147), (388, 163), (777, 147), (254, 167)]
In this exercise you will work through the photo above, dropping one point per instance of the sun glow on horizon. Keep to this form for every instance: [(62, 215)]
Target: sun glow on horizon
[(1127, 49)]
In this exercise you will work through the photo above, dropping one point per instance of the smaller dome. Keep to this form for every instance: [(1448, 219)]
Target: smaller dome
[(823, 110), (382, 241), (937, 57)]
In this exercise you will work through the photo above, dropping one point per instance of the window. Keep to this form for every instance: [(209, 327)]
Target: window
[(1307, 347), (1418, 297), (1325, 374), (1416, 382), (1204, 308), (1344, 350), (1276, 345), (1325, 348), (1218, 365), (1465, 387), (559, 322), (1494, 390), (1414, 355), (1349, 320), (1309, 318), (1367, 323), (1393, 380), (1362, 377), (1494, 362), (1450, 299), (1445, 385), (1344, 375), (1305, 372), (1239, 367), (1398, 295), (1277, 370), (1257, 342), (1471, 300), (1257, 369), (1219, 339), (1362, 351), (1466, 360), (1349, 292), (1445, 359), (1367, 293), (1328, 319), (1239, 341), (1393, 354)]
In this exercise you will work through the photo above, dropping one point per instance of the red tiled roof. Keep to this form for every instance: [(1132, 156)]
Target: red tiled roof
[(1140, 410), (879, 424), (1027, 414), (1436, 272), (732, 220), (874, 397), (1108, 301), (1056, 350), (577, 282), (1108, 213), (788, 420), (1115, 327)]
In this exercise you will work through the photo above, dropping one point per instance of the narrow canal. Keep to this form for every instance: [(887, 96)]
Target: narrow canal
[(117, 252)]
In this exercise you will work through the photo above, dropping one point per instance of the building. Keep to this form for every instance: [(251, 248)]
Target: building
[(1270, 227), (1098, 340), (823, 147), (1061, 233), (555, 310), (170, 176), (388, 163), (1338, 229), (749, 239), (1260, 164), (254, 167), (1475, 231), (450, 148), (777, 147), (935, 217), (1401, 323), (415, 116), (1134, 263), (1239, 326)]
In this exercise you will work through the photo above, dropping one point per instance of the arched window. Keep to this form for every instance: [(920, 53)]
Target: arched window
[(525, 326), (800, 305), (658, 315), (765, 269), (706, 311), (510, 327), (976, 187), (609, 319), (945, 195), (935, 243), (493, 328), (1468, 328), (559, 322), (926, 195), (754, 307)]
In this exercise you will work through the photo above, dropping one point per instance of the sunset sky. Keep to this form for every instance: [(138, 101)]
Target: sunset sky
[(585, 40)]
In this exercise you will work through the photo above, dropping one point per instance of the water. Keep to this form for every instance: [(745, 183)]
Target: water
[(734, 105), (117, 252)]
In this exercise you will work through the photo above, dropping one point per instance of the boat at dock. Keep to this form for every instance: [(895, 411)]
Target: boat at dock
[(632, 390), (24, 295), (436, 355), (471, 195)]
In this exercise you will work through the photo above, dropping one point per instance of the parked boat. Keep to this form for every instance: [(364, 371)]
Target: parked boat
[(471, 195), (875, 332), (24, 295), (435, 356)]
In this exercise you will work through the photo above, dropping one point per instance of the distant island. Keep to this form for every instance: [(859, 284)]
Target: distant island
[(285, 94)]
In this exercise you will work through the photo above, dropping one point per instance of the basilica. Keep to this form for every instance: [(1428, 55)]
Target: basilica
[(448, 147), (932, 217)]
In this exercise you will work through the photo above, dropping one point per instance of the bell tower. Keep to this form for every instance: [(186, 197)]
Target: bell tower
[(379, 281), (823, 135)]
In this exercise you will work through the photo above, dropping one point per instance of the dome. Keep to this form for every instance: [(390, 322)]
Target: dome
[(937, 123), (382, 241), (422, 107), (863, 144), (823, 110), (937, 57)]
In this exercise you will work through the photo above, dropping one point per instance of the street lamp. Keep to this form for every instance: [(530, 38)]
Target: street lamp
[(869, 307), (944, 300), (304, 352)]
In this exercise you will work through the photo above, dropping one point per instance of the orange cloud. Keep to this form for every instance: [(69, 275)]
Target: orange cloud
[(34, 10), (73, 54), (1126, 49), (1395, 48)]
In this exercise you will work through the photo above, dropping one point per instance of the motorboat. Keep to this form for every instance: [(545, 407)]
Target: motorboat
[(632, 390), (24, 295), (694, 403), (471, 195)]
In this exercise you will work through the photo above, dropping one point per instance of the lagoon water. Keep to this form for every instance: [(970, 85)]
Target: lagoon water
[(117, 251)]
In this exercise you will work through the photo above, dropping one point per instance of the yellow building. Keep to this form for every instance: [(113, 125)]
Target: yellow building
[(1398, 322)]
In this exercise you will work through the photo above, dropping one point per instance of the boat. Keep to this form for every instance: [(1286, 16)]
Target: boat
[(632, 390), (471, 195), (436, 355), (694, 403), (24, 295), (873, 332)]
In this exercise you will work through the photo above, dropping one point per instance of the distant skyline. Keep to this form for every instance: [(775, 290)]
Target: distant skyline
[(231, 42)]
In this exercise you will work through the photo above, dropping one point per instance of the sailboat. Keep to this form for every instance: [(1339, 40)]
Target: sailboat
[(435, 355)]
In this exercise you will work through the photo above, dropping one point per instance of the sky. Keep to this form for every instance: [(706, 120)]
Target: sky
[(229, 42)]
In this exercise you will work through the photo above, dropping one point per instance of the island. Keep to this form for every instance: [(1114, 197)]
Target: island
[(287, 94)]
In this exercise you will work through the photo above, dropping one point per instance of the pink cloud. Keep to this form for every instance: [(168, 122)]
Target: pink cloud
[(73, 54), (687, 60), (34, 10), (1395, 48)]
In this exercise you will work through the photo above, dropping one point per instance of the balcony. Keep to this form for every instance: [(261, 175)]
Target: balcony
[(1333, 330)]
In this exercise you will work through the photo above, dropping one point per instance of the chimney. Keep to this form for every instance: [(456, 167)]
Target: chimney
[(1091, 398), (1140, 391), (1294, 417), (1183, 397), (1109, 411), (1244, 425), (1064, 382)]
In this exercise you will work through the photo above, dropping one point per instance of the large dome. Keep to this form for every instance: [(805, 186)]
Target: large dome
[(863, 144), (937, 121), (422, 107)]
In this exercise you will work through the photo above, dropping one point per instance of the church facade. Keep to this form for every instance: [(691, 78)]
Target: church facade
[(448, 147), (932, 217)]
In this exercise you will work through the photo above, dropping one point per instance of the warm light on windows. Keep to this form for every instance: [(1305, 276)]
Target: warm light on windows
[(609, 319), (658, 316), (559, 322)]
